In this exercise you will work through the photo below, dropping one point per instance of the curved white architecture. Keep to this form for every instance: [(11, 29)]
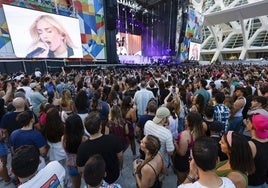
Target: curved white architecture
[(234, 29)]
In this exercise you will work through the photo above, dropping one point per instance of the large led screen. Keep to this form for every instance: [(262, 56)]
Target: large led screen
[(36, 34), (128, 44), (194, 51)]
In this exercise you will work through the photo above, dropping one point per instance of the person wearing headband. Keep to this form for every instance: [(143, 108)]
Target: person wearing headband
[(240, 162)]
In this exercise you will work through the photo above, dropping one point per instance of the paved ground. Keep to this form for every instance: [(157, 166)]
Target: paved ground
[(126, 179)]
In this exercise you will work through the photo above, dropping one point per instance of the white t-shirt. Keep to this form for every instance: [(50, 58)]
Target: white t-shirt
[(37, 74), (52, 175), (226, 183), (164, 136), (56, 151)]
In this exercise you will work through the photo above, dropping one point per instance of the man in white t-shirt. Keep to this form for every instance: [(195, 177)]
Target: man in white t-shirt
[(142, 97), (158, 129), (24, 165), (202, 166)]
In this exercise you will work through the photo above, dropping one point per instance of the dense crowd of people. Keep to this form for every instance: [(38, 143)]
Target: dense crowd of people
[(209, 123)]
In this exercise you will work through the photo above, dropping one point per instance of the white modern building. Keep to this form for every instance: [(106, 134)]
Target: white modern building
[(234, 29)]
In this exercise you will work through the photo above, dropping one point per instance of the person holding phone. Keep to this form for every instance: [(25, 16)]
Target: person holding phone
[(50, 39)]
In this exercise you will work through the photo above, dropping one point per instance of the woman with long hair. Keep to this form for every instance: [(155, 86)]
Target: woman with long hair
[(81, 104), (130, 116), (147, 171), (185, 141), (72, 138), (51, 38), (198, 104), (118, 126), (113, 98), (53, 132), (179, 109), (67, 105), (102, 107), (240, 161)]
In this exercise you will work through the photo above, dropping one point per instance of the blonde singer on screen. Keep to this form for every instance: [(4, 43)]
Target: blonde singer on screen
[(50, 39), (194, 52)]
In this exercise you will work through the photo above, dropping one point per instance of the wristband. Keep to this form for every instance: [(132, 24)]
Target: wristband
[(192, 180)]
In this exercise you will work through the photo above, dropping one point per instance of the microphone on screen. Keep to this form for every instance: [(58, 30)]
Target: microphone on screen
[(35, 52)]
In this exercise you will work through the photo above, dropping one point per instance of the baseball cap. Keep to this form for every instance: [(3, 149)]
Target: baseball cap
[(260, 122), (161, 113), (33, 85)]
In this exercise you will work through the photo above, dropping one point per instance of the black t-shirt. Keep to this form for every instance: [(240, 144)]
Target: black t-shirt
[(163, 94), (107, 146), (154, 90), (130, 93), (2, 108), (261, 164)]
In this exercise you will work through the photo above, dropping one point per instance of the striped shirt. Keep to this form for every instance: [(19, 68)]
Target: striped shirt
[(164, 136)]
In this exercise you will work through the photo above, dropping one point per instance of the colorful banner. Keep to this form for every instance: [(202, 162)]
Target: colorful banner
[(193, 33)]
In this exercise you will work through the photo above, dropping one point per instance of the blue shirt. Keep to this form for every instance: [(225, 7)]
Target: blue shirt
[(27, 137), (222, 114)]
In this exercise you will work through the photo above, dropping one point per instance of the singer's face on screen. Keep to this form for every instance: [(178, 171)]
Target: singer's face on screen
[(51, 37)]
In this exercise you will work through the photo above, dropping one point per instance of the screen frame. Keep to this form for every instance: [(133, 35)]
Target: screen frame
[(19, 20)]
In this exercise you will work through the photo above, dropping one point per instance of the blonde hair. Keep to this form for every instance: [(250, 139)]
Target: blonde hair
[(177, 105), (66, 98), (116, 114), (55, 23)]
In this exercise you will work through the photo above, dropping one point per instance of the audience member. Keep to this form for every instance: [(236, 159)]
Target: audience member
[(183, 146), (53, 132), (118, 126), (36, 97), (202, 166), (198, 104), (141, 98), (157, 128), (95, 171), (257, 124), (147, 172), (108, 146), (67, 105), (129, 113), (221, 112), (8, 121), (202, 91), (72, 138), (24, 165), (240, 162), (102, 107), (240, 102)]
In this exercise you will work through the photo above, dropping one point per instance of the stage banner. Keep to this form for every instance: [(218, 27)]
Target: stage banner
[(193, 33)]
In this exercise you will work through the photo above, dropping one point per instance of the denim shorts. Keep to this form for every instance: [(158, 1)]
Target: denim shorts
[(73, 171), (3, 149)]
